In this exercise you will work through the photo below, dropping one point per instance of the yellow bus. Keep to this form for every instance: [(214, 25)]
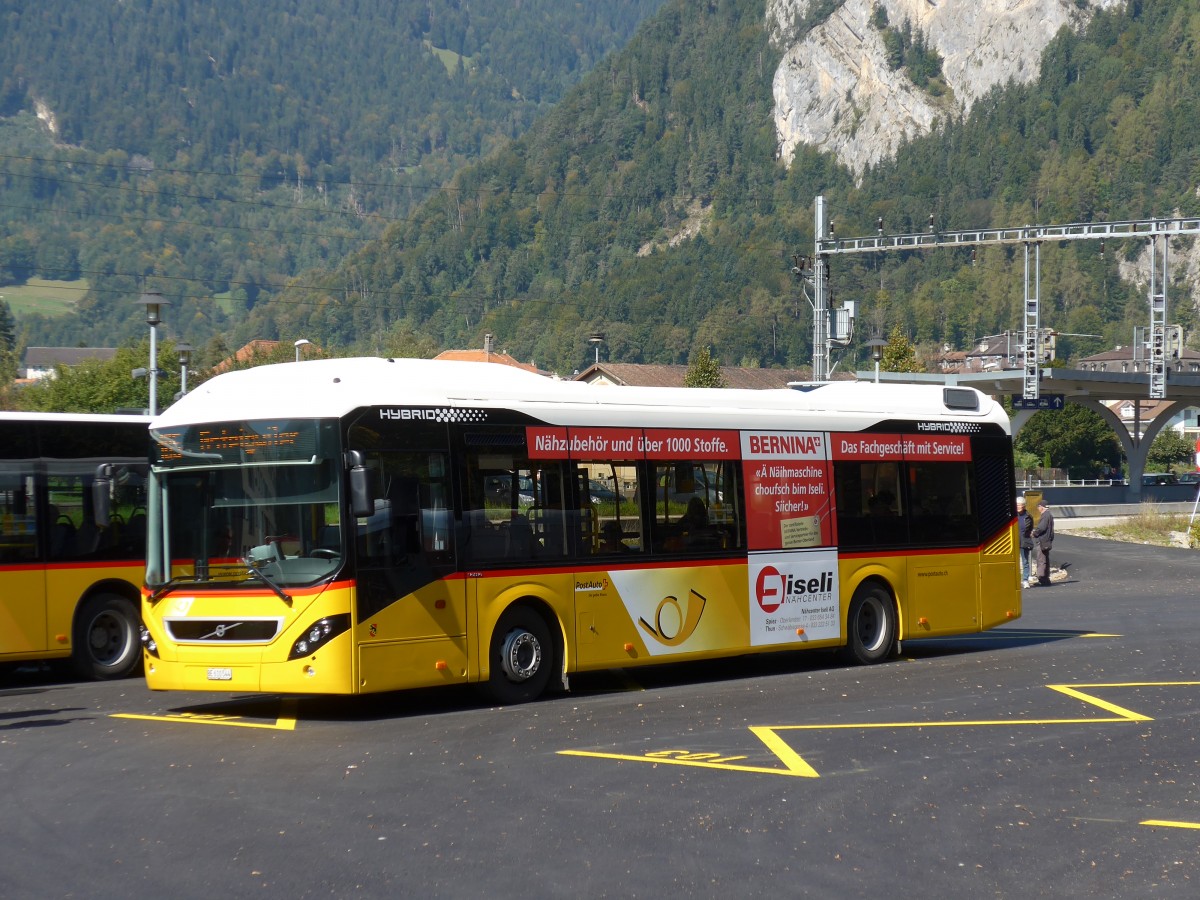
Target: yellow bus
[(72, 539), (355, 525)]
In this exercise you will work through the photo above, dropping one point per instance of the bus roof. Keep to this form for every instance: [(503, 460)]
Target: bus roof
[(332, 388)]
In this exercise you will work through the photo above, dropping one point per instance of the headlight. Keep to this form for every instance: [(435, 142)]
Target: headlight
[(318, 634), (150, 645)]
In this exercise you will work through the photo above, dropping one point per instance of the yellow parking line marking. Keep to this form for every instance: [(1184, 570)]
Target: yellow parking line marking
[(1164, 823), (1009, 635), (795, 765), (285, 722)]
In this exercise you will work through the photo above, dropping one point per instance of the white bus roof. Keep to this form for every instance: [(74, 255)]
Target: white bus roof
[(332, 388)]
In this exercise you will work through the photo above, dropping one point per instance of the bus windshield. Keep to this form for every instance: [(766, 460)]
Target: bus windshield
[(250, 502)]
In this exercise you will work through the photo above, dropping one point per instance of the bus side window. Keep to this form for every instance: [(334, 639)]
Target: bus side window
[(696, 507), (412, 518), (871, 508), (610, 515), (18, 515), (942, 503)]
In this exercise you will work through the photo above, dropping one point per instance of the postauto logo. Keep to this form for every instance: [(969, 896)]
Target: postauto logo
[(773, 588)]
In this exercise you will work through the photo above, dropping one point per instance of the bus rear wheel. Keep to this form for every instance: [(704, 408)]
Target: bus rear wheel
[(106, 640), (870, 626), (521, 657)]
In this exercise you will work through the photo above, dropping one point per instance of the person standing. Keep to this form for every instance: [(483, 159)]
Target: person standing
[(1025, 530), (1043, 539)]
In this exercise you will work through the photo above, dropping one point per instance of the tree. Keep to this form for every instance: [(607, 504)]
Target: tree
[(1169, 449), (7, 336), (703, 371), (900, 355), (1074, 438)]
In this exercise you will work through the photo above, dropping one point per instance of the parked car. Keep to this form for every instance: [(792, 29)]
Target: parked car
[(1189, 478), (601, 492), (1159, 478)]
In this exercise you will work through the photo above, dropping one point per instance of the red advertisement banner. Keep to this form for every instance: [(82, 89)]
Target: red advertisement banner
[(788, 497), (891, 447), (691, 444)]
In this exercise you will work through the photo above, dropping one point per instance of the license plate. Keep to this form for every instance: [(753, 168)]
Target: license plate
[(220, 674)]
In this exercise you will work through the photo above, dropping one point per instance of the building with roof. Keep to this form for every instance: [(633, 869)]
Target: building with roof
[(247, 353), (490, 355), (1136, 359), (41, 362)]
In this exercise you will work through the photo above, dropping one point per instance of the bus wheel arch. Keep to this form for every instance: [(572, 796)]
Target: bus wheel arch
[(524, 651), (871, 623), (106, 632)]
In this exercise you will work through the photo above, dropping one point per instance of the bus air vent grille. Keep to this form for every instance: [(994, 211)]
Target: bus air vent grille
[(223, 631)]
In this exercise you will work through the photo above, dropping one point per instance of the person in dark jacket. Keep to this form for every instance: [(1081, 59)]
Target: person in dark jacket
[(1043, 539), (1025, 530)]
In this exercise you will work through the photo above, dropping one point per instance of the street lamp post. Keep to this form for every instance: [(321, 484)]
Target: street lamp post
[(185, 356), (301, 343), (877, 344), (153, 302), (596, 340)]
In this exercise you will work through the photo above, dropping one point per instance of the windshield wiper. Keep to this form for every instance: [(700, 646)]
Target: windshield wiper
[(158, 591), (254, 570)]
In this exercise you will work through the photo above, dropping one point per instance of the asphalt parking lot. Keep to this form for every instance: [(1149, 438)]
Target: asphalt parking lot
[(1053, 757)]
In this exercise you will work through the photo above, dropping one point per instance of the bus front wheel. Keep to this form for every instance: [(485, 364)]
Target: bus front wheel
[(870, 625), (521, 657), (106, 639)]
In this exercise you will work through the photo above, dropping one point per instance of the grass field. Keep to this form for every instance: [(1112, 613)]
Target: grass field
[(50, 298)]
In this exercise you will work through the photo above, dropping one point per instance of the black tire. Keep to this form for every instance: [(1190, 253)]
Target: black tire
[(870, 626), (106, 642), (521, 657)]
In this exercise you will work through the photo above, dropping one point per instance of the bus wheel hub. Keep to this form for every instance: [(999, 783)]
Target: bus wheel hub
[(522, 655)]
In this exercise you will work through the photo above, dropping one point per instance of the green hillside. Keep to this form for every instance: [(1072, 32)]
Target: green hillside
[(225, 146), (648, 204), (565, 232)]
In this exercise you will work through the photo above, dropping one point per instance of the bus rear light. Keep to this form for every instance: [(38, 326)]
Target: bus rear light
[(318, 634), (1009, 614)]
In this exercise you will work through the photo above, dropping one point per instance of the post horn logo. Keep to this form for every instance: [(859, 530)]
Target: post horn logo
[(672, 623)]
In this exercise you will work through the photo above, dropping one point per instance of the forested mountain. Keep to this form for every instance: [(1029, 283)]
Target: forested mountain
[(224, 146), (568, 231), (651, 204)]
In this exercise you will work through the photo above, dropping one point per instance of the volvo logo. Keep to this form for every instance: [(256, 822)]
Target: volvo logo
[(220, 631)]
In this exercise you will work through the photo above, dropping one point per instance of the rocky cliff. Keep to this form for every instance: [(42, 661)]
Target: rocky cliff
[(834, 88)]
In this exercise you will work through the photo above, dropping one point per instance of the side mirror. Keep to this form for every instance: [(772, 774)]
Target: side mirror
[(102, 495), (362, 503)]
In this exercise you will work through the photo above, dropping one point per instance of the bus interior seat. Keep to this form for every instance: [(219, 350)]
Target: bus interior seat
[(520, 538), (62, 539)]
